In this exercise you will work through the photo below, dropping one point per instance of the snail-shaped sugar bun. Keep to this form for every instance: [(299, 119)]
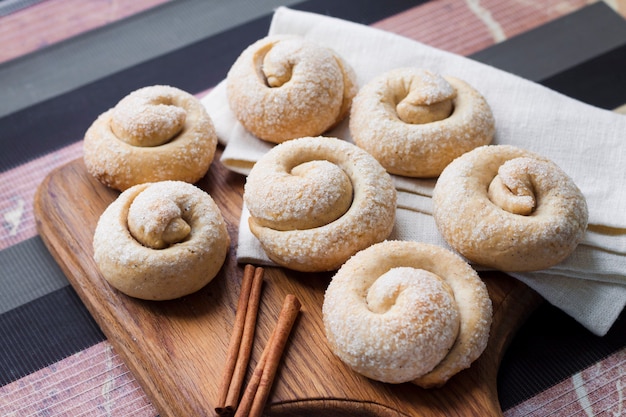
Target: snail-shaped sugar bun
[(160, 241), (283, 87), (156, 133), (509, 209), (403, 311), (416, 122), (315, 201)]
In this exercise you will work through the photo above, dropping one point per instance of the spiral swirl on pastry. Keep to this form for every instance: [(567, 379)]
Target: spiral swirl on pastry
[(155, 133), (283, 87), (416, 122), (160, 241), (403, 311), (315, 201), (509, 209)]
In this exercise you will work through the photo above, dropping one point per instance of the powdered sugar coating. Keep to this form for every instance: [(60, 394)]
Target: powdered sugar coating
[(273, 196), (283, 87), (178, 268), (403, 311), (304, 196), (156, 220), (147, 117), (478, 224), (182, 149), (449, 118)]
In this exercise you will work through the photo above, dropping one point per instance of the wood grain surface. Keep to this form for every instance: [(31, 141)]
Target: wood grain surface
[(177, 349)]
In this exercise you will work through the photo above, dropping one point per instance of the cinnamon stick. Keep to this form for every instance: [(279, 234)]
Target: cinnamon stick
[(241, 340), (260, 384), (248, 396), (247, 341)]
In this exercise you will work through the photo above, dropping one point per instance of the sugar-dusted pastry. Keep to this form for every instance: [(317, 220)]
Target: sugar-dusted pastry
[(156, 133), (403, 311), (415, 122), (160, 241), (509, 209), (315, 201), (284, 87)]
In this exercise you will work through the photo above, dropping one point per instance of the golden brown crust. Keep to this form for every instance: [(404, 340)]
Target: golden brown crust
[(314, 202), (160, 241), (416, 122), (283, 87), (509, 209), (403, 311), (156, 133)]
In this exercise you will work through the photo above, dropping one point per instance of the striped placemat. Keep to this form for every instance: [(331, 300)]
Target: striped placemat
[(55, 361)]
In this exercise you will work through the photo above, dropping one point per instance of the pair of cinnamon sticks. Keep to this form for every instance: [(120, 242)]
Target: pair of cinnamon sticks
[(240, 348)]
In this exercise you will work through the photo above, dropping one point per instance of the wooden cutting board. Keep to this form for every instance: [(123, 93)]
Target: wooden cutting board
[(177, 349)]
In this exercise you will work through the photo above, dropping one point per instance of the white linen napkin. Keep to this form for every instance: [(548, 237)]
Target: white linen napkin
[(586, 142)]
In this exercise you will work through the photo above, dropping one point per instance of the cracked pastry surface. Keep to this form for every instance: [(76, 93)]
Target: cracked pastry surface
[(160, 241), (315, 201), (509, 209), (415, 122), (155, 133), (403, 311), (283, 87)]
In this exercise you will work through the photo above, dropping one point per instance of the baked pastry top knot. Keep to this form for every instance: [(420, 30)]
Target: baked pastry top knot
[(155, 133), (162, 240), (147, 117), (157, 221), (403, 311), (509, 209), (307, 195), (426, 98), (315, 201), (283, 87), (415, 122), (513, 189)]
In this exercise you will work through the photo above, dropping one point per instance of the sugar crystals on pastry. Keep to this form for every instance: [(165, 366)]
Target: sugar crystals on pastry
[(404, 311), (155, 133), (315, 201), (160, 241), (285, 87), (510, 209), (415, 122)]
